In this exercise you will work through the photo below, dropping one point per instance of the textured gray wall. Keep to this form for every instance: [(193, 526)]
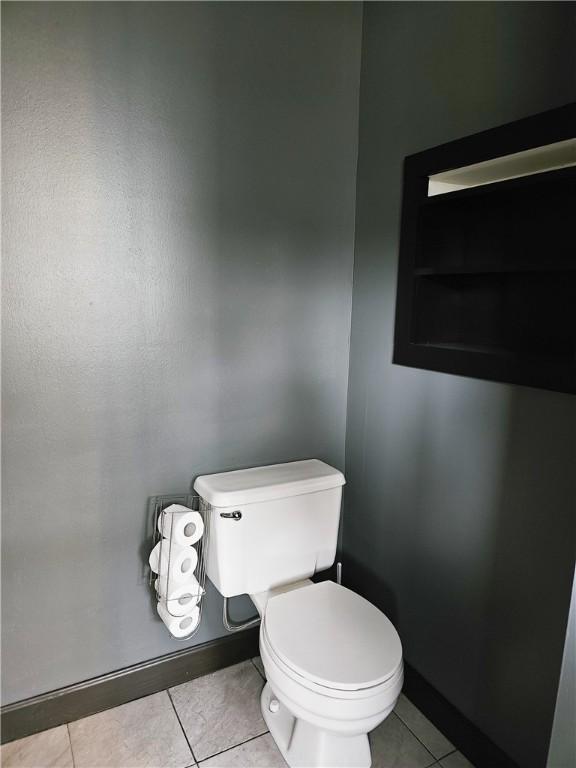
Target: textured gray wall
[(562, 752), (179, 185), (461, 494)]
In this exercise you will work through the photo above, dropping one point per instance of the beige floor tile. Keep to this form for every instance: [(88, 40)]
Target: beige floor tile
[(49, 749), (142, 734), (394, 746), (261, 752), (220, 710), (456, 760), (422, 728)]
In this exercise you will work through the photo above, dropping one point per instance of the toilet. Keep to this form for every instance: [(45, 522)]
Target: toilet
[(333, 661)]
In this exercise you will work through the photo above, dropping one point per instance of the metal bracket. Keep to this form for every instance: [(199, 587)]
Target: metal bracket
[(232, 626)]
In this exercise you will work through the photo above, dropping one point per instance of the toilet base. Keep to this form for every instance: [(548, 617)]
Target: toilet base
[(304, 745)]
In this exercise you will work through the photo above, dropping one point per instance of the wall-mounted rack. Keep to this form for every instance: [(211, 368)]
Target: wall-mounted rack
[(157, 506)]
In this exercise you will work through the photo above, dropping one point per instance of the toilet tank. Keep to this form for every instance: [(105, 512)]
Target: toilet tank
[(286, 529)]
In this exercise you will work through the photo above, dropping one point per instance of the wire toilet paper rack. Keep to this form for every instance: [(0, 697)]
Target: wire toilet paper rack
[(157, 506)]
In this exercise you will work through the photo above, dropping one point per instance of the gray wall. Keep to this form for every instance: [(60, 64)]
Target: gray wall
[(562, 753), (179, 185), (461, 493)]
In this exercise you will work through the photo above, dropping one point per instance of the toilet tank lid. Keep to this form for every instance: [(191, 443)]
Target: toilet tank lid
[(277, 481)]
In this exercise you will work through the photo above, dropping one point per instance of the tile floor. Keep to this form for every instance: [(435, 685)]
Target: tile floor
[(212, 722)]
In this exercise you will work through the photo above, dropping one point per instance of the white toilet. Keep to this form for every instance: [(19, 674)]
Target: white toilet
[(333, 661)]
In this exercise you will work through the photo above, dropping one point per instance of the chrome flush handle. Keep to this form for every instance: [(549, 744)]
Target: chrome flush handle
[(236, 515)]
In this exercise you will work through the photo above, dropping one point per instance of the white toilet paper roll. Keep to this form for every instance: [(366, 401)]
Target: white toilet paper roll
[(182, 525), (179, 626), (179, 599), (173, 562)]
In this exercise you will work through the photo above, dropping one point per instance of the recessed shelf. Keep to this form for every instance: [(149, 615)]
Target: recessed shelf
[(561, 154), (479, 352), (525, 185), (475, 348), (487, 273), (487, 269)]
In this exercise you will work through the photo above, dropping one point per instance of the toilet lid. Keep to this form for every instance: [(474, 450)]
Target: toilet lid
[(332, 636)]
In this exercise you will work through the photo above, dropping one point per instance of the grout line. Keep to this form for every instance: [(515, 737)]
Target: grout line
[(70, 742), (240, 743), (257, 669), (418, 739), (439, 759), (182, 727), (448, 753)]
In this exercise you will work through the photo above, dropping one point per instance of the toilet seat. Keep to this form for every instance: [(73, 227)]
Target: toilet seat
[(332, 640)]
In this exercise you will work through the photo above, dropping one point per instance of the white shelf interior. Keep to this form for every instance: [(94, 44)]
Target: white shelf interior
[(551, 157)]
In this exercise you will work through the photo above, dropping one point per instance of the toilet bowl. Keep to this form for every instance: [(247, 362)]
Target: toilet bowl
[(334, 671)]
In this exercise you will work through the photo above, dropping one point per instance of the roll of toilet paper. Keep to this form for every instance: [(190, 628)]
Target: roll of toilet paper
[(182, 525), (179, 599), (179, 626), (173, 562)]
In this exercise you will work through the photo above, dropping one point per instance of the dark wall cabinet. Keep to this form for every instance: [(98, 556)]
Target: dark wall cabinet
[(487, 272)]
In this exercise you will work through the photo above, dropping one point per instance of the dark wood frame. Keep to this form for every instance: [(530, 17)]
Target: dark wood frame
[(546, 128)]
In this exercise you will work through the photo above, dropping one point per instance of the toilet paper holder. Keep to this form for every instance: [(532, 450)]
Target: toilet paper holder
[(157, 506)]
